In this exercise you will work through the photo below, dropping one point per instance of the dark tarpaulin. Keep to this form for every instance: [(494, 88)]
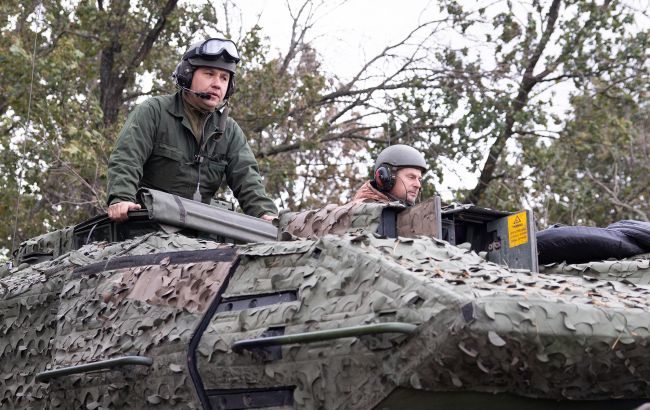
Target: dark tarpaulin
[(579, 244), (638, 231)]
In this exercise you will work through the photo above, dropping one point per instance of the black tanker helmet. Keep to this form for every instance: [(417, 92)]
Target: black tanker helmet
[(213, 52)]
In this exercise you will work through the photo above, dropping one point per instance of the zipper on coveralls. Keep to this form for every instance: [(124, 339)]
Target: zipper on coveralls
[(198, 159)]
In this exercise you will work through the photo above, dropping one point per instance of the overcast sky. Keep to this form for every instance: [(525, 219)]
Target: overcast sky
[(347, 33)]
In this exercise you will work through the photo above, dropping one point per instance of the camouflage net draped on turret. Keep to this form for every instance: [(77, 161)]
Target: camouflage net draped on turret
[(354, 217), (481, 327)]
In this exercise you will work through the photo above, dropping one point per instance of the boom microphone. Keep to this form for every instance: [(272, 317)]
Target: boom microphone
[(200, 94)]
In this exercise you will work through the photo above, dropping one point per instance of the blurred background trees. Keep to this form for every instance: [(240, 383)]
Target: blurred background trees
[(538, 104)]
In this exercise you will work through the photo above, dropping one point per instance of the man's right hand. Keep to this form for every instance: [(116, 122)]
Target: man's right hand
[(119, 210)]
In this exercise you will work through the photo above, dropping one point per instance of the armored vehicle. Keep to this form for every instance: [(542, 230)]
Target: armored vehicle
[(358, 306)]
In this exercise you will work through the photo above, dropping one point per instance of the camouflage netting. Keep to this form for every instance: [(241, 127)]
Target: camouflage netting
[(50, 317), (635, 270), (354, 217), (46, 246), (28, 305), (481, 327)]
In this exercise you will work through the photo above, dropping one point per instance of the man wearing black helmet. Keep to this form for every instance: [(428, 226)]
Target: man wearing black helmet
[(185, 143), (397, 176)]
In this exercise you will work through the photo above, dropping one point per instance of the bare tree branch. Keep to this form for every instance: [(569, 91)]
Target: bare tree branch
[(114, 80), (527, 83), (615, 200)]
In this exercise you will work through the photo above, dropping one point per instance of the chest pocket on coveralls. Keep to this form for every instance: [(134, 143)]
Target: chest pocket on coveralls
[(216, 171), (167, 161)]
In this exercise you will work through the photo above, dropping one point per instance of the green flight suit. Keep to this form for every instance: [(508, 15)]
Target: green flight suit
[(157, 149)]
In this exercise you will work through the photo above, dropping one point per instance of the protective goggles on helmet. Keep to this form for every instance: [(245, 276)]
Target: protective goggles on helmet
[(214, 48)]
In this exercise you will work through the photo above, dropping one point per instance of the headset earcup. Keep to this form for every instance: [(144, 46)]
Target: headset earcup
[(183, 74), (384, 178)]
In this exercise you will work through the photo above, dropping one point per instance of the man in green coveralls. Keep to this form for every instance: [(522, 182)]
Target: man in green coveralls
[(185, 144)]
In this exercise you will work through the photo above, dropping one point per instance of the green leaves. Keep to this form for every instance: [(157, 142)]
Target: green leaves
[(600, 172), (509, 28), (86, 60), (481, 87)]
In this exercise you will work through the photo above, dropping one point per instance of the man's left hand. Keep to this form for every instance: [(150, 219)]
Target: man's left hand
[(268, 217)]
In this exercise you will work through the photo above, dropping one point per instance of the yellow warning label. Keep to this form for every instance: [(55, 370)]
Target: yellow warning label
[(517, 229)]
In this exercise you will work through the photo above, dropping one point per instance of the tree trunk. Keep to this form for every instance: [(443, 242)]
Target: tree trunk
[(114, 79), (527, 83)]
